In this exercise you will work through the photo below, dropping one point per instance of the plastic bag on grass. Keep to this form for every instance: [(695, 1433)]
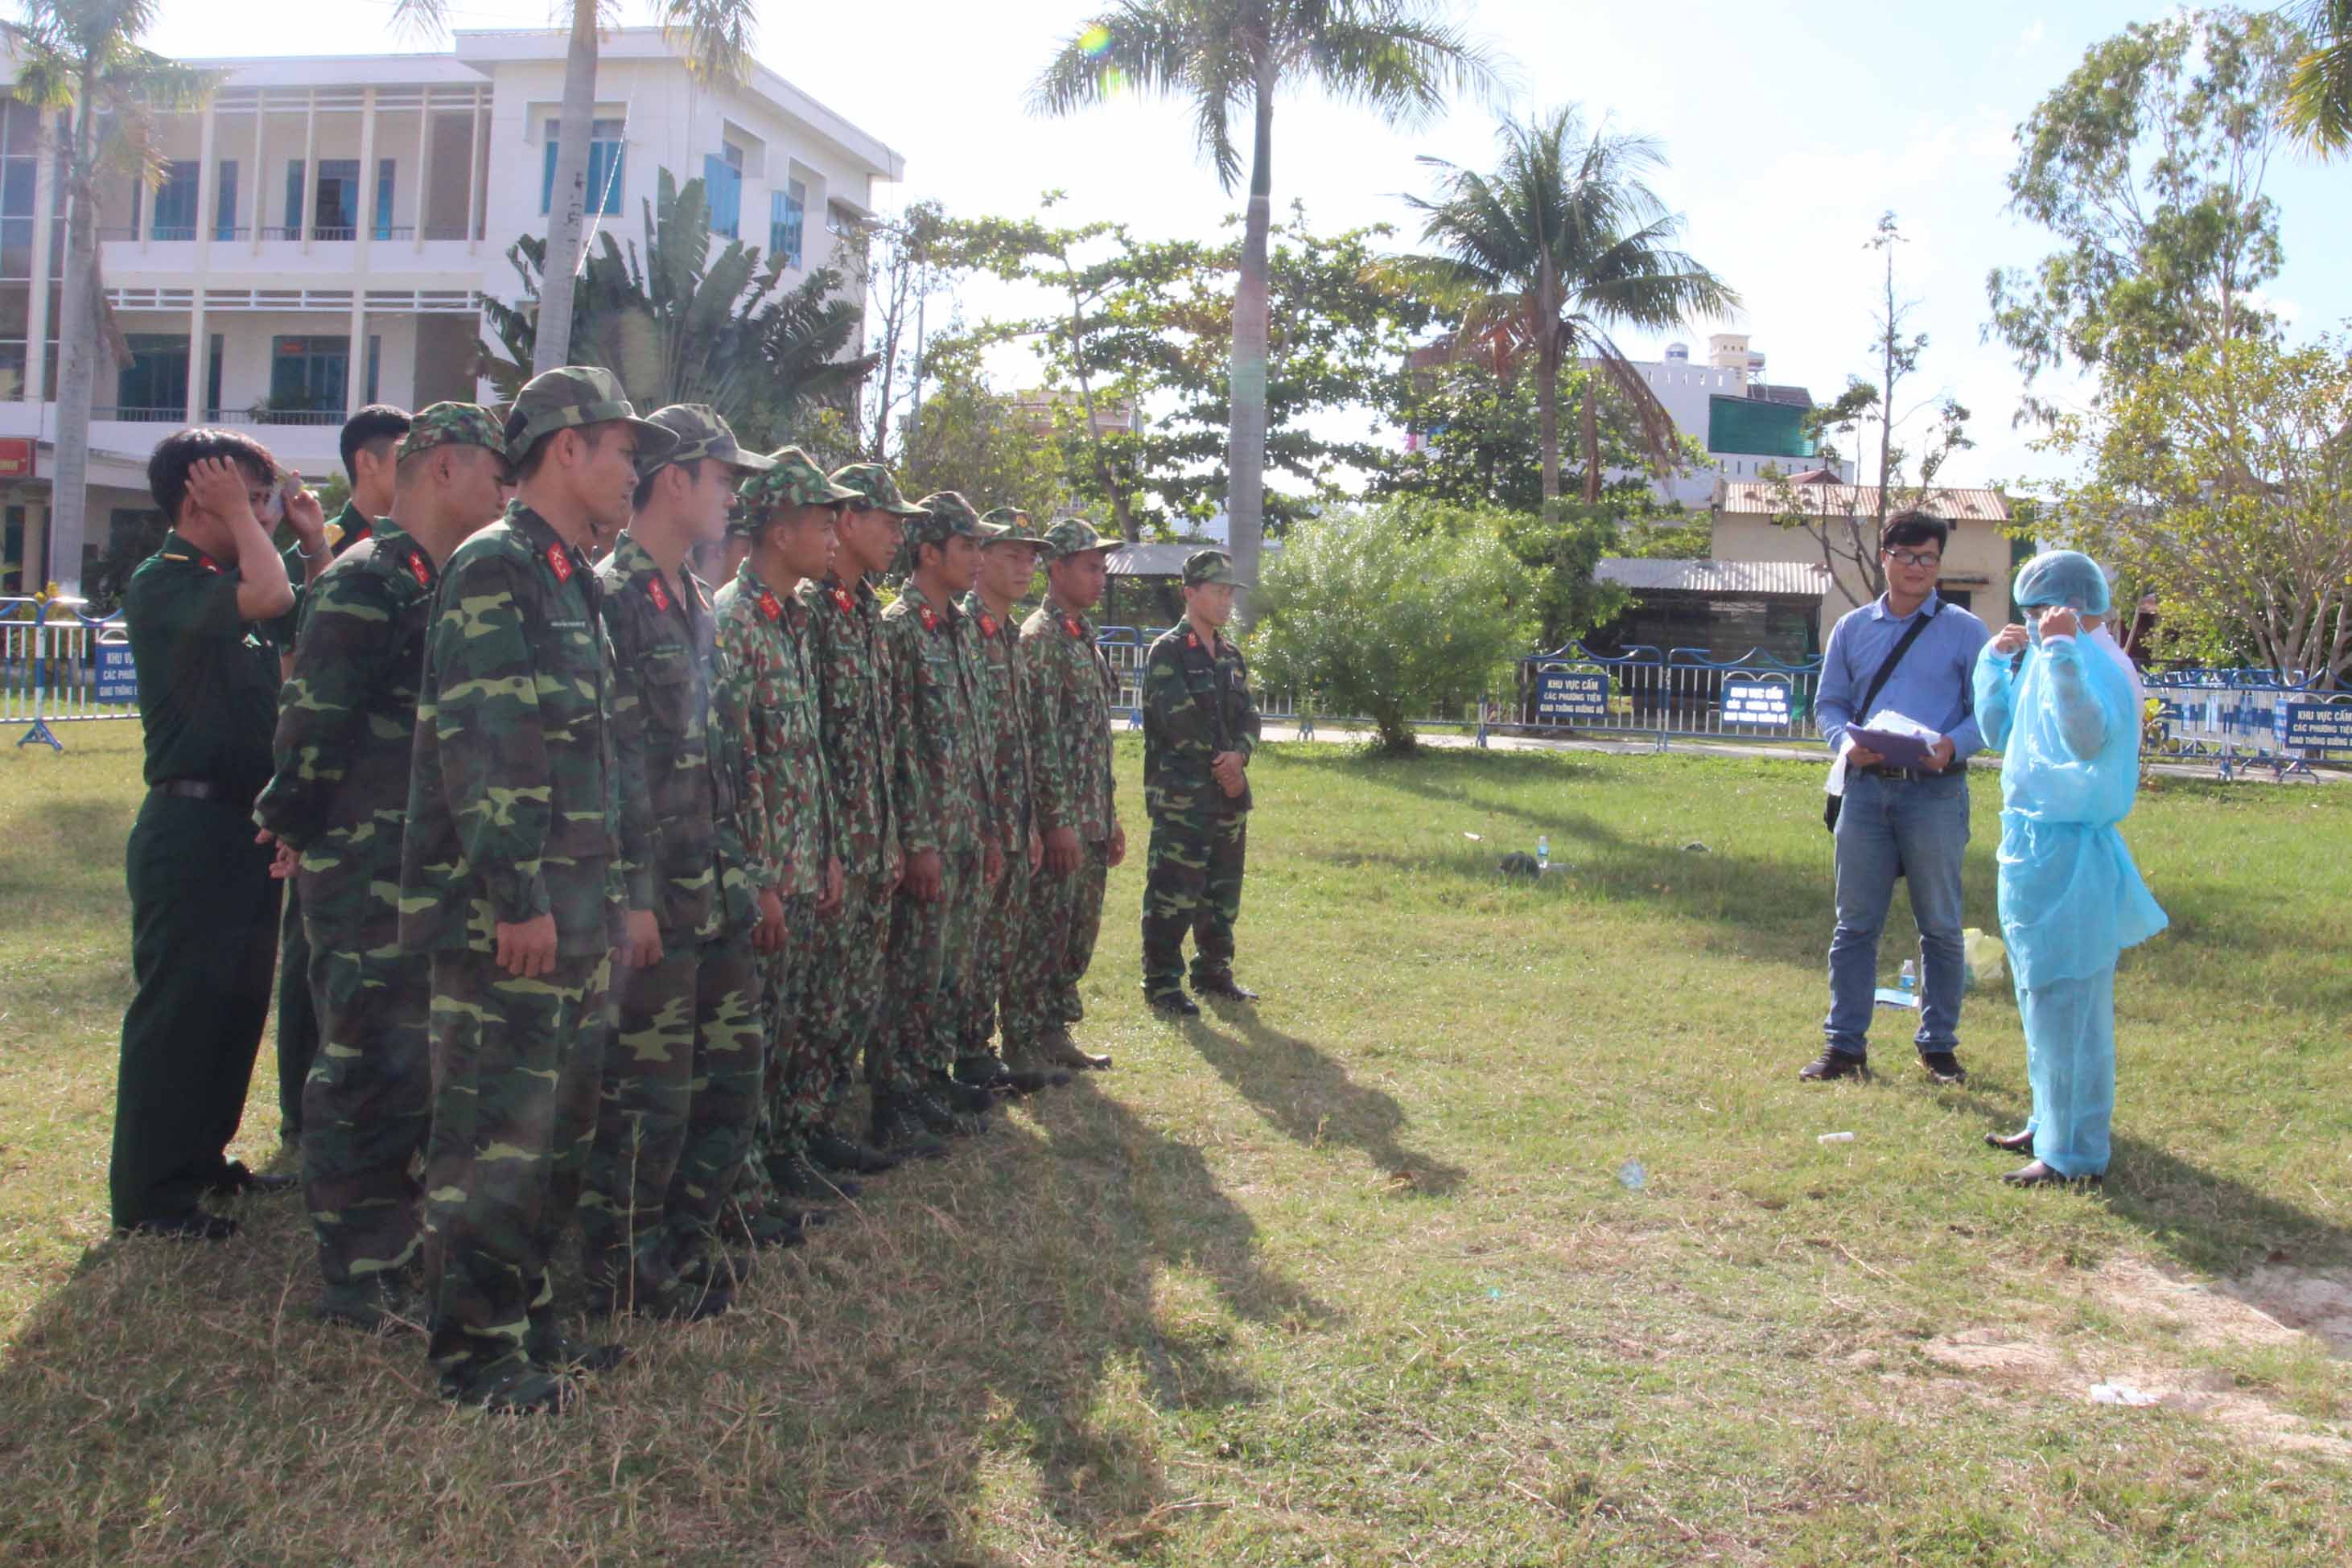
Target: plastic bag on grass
[(1985, 959)]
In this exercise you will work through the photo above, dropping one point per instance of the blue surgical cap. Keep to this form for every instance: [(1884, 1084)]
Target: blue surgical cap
[(2065, 577)]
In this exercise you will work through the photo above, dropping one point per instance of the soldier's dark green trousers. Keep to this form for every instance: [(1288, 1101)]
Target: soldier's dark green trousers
[(846, 1001), (1192, 882), (367, 1106), (516, 1068), (681, 1095), (298, 1024), (1065, 919), (930, 943), (204, 936)]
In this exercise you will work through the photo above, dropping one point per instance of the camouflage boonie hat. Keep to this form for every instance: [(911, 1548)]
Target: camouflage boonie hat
[(945, 515), (570, 397), (791, 479), (451, 425), (1072, 536), (877, 491), (701, 432), (1203, 567)]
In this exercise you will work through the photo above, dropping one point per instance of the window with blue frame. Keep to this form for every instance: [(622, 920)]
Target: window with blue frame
[(787, 211), (225, 209), (310, 374), (722, 185), (153, 382), (175, 201), (607, 161)]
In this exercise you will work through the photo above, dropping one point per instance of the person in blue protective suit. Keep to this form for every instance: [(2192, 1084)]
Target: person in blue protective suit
[(2060, 702)]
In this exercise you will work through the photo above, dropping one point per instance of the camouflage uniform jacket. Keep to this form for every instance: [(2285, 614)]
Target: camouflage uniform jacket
[(346, 726), (946, 793), (1071, 690), (1004, 717), (695, 876), (515, 808), (766, 709), (861, 738), (1196, 703)]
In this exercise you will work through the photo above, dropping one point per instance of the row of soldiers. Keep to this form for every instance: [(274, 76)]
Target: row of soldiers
[(612, 884)]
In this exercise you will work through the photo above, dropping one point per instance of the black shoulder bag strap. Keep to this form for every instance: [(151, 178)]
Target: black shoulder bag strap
[(1832, 803)]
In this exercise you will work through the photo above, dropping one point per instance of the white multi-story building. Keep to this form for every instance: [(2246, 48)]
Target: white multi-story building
[(1745, 422), (327, 228)]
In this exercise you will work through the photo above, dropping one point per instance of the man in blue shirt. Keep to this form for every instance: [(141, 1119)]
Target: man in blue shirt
[(1896, 822)]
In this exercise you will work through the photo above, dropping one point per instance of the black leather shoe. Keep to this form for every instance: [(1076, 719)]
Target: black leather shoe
[(970, 1098), (1833, 1064), (1225, 989), (1174, 1005), (832, 1152), (2039, 1174), (561, 1353), (1060, 1051), (2015, 1144), (237, 1179), (898, 1130), (1031, 1079), (1943, 1067), (187, 1228), (794, 1174)]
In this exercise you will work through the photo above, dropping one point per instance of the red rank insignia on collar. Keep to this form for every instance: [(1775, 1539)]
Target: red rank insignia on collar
[(359, 532), (988, 623), (841, 597), (768, 605), (209, 564), (418, 569), (1070, 623), (559, 562), (660, 594), (931, 619), (1192, 639)]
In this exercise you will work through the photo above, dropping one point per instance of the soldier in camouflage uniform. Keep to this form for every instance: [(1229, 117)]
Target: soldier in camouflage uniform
[(950, 818), (768, 708), (512, 877), (1003, 971), (863, 741), (1200, 725), (1071, 689), (338, 801), (682, 1077)]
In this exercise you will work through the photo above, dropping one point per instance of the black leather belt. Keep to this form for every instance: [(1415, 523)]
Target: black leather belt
[(1907, 775), (191, 788)]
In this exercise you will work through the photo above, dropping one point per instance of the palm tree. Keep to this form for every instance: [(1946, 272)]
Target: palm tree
[(715, 35), (82, 55), (2319, 94), (1397, 58), (1562, 243)]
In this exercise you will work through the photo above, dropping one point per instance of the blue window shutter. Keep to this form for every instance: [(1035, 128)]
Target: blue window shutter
[(375, 363), (383, 167), (725, 186), (547, 175), (294, 196), (225, 225)]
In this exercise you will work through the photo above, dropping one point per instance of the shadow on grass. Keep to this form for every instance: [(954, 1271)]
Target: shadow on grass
[(77, 841), (1308, 1096)]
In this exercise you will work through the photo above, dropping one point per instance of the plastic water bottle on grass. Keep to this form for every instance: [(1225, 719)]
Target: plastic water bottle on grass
[(1909, 982), (1543, 852)]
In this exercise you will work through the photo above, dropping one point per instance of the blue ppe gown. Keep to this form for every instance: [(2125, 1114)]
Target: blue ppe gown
[(2067, 724)]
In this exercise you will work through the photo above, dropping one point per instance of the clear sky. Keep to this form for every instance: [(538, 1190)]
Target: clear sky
[(1790, 127)]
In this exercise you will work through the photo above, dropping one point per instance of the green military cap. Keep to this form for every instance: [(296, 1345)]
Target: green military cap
[(791, 479), (1072, 536), (1012, 524), (945, 515), (451, 425), (877, 491), (701, 432), (1207, 566), (570, 397)]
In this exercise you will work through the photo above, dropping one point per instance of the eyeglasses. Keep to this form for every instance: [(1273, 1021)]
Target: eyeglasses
[(1913, 558)]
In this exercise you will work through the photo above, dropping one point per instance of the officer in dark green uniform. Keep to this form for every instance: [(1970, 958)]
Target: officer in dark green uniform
[(203, 907), (370, 438), (1200, 725)]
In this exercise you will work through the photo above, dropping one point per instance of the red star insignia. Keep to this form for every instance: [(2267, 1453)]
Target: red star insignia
[(559, 562), (769, 607), (1192, 639), (930, 620), (1071, 623), (418, 569), (988, 625), (211, 566), (841, 597), (660, 594)]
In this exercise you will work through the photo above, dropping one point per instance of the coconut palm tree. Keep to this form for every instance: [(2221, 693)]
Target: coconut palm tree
[(1564, 242), (715, 35), (83, 56), (1397, 58), (2319, 95)]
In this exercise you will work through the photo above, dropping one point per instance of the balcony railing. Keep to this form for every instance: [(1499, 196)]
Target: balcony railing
[(133, 415)]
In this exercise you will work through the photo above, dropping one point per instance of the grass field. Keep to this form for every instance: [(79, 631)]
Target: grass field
[(1351, 1278)]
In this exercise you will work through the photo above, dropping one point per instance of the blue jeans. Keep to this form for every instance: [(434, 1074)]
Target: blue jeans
[(1922, 827)]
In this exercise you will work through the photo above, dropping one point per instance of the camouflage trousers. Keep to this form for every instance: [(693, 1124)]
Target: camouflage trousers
[(931, 947), (1005, 974), (799, 1062), (1192, 882), (367, 1104), (300, 1023), (845, 1002), (516, 1067), (1064, 916), (680, 1098)]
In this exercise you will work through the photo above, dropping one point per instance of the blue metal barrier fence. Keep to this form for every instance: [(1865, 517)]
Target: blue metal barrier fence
[(59, 667)]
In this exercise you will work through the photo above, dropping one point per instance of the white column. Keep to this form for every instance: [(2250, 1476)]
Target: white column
[(259, 178), (355, 372), (207, 196), (36, 326), (309, 189), (473, 172), (37, 543), (362, 240), (423, 179)]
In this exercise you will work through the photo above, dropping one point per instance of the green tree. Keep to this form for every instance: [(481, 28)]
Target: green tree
[(714, 35), (1397, 58), (1392, 613), (1563, 243), (2146, 164), (83, 56), (977, 440), (678, 324), (2319, 95), (2222, 482)]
